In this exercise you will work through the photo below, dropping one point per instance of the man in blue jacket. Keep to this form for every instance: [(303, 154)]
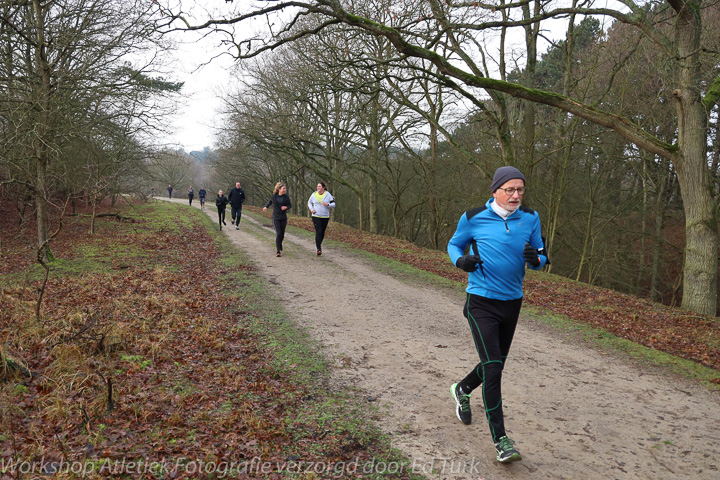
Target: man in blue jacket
[(502, 237)]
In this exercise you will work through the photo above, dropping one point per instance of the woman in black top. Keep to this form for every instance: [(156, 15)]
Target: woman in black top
[(221, 202), (281, 203)]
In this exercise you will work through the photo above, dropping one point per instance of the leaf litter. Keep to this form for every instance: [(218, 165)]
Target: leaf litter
[(147, 368)]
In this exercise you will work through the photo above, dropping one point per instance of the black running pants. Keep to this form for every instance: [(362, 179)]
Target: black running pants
[(492, 323), (279, 225), (320, 227), (235, 214)]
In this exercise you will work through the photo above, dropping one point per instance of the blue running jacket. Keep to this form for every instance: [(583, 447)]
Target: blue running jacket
[(500, 244)]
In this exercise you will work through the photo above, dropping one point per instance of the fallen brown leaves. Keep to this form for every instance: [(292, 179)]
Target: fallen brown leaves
[(147, 369), (667, 329)]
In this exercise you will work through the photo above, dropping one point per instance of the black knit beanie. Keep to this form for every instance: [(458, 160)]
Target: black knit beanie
[(503, 174)]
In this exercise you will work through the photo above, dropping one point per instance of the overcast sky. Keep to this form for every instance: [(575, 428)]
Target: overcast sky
[(196, 119)]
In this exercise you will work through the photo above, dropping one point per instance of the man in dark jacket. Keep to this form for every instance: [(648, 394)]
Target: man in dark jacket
[(201, 194), (236, 198)]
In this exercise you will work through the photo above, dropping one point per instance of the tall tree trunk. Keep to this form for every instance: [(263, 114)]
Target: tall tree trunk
[(660, 208), (374, 151), (528, 120), (361, 211), (41, 130), (567, 127), (642, 249), (373, 205), (94, 213), (595, 178), (501, 117), (41, 212), (432, 200), (701, 249)]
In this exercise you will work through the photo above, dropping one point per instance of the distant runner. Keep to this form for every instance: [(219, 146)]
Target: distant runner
[(201, 194), (280, 203), (236, 198), (221, 203)]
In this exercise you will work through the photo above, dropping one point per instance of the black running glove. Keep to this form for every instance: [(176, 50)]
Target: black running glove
[(469, 263), (530, 255)]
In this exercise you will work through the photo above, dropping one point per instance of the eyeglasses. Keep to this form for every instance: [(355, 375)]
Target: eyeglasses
[(511, 191)]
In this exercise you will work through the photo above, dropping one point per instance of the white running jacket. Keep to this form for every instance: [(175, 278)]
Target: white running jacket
[(321, 210)]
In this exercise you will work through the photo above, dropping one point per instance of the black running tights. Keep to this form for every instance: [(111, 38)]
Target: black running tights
[(280, 225), (492, 323), (320, 227)]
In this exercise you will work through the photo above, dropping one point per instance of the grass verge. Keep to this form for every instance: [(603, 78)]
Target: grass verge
[(159, 354)]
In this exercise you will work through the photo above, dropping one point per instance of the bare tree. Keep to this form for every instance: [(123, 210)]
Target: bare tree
[(64, 70), (171, 168)]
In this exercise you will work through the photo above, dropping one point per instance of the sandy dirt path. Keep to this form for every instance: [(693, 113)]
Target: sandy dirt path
[(575, 413)]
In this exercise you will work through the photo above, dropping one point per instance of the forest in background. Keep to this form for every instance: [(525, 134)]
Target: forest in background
[(404, 146), (406, 155)]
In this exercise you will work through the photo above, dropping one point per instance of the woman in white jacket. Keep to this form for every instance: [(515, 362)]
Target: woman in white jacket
[(320, 204)]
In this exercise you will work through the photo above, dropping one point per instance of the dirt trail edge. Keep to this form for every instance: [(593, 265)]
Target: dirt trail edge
[(574, 412)]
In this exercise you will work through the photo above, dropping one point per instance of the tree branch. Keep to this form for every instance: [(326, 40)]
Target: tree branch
[(620, 125)]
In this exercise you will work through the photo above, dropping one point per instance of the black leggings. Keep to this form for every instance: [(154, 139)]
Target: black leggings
[(190, 197), (320, 227), (279, 225), (221, 216), (492, 323)]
